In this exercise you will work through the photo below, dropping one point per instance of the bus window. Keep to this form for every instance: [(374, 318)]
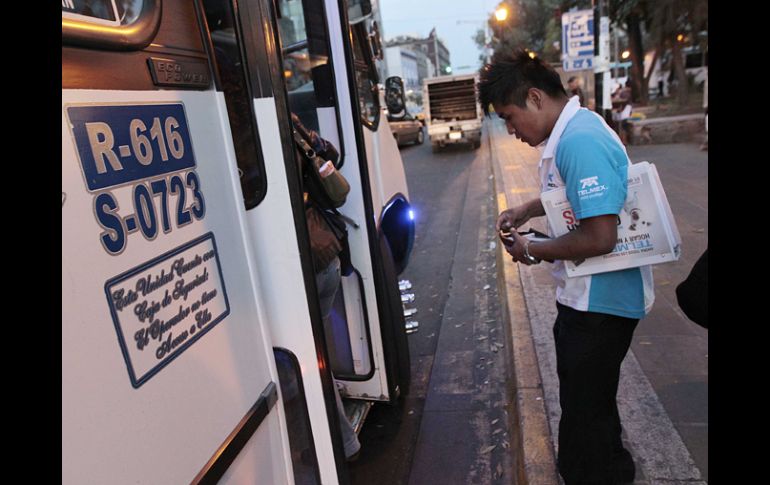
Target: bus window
[(240, 108), (366, 77), (303, 456), (307, 68), (110, 24)]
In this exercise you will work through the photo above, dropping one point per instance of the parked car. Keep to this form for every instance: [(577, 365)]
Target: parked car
[(406, 129)]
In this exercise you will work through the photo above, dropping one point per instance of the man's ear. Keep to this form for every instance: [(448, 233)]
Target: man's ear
[(536, 97)]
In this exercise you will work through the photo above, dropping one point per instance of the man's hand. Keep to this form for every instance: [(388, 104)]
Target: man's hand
[(514, 245), (593, 237), (510, 219)]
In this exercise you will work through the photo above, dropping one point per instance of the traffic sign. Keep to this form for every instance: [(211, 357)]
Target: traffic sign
[(577, 40)]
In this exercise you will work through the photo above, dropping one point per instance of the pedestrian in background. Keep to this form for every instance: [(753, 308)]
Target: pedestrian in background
[(621, 112), (597, 314), (574, 89), (622, 117)]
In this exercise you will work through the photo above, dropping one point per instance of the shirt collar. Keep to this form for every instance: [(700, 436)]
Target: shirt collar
[(570, 109)]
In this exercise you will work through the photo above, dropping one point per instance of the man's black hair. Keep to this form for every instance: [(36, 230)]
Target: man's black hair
[(508, 78)]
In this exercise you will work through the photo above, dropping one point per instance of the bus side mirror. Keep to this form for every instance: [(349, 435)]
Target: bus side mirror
[(394, 96), (375, 41)]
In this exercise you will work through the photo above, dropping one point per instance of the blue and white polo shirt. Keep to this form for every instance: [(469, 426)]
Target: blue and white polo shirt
[(586, 156)]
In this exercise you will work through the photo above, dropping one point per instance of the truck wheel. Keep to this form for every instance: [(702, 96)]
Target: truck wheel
[(420, 137)]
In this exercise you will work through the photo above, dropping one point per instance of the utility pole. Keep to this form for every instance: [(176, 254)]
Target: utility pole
[(602, 60), (435, 51)]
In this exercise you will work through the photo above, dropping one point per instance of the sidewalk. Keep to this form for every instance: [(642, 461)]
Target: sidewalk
[(651, 433)]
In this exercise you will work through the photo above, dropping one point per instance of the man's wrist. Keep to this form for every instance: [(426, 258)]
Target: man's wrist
[(529, 257)]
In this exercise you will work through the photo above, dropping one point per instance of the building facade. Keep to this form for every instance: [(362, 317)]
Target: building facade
[(437, 51), (414, 59)]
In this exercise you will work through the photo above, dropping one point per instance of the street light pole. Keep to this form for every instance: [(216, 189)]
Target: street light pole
[(435, 51), (602, 57)]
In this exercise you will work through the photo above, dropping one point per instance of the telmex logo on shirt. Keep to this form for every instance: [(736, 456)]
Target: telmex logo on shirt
[(590, 181), (591, 187)]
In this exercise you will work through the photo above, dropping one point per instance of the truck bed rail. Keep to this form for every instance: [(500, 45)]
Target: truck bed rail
[(452, 100)]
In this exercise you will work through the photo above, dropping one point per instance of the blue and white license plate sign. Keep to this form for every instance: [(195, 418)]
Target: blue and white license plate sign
[(139, 169), (145, 151), (577, 40), (163, 306), (120, 144)]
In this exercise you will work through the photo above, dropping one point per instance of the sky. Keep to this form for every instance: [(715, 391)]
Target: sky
[(456, 23)]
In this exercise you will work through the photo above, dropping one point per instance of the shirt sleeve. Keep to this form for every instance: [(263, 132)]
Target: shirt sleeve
[(594, 171)]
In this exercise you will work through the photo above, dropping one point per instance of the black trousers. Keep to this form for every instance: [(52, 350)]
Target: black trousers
[(589, 350)]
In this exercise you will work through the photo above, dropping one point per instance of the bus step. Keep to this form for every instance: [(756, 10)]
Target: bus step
[(412, 326), (356, 411), (408, 312), (407, 298), (404, 285)]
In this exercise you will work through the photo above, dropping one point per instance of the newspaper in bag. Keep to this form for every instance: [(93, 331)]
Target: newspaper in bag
[(647, 232)]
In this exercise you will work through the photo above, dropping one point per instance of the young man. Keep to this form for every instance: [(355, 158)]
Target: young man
[(597, 314)]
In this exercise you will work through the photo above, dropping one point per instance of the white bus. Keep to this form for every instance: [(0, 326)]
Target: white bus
[(193, 350)]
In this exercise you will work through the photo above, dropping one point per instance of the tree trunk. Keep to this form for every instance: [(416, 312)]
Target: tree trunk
[(637, 59), (682, 91)]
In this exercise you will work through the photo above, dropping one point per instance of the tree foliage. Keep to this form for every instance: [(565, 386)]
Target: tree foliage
[(531, 24), (650, 25)]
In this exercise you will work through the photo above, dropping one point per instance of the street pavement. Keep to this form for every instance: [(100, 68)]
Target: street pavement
[(453, 426), (663, 393)]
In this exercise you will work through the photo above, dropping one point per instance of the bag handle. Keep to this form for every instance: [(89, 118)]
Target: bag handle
[(315, 186)]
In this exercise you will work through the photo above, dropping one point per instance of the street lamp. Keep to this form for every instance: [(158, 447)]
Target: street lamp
[(501, 13)]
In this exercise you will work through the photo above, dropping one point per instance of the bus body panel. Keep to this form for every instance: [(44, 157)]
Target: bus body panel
[(171, 398), (153, 403), (273, 235)]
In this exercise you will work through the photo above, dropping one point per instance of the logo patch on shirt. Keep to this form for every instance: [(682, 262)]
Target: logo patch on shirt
[(590, 182), (591, 188)]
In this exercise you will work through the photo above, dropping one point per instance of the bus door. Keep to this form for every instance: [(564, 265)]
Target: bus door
[(242, 39), (319, 81), (383, 250), (168, 374)]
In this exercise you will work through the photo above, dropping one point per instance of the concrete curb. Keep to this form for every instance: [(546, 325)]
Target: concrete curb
[(533, 456), (654, 131)]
